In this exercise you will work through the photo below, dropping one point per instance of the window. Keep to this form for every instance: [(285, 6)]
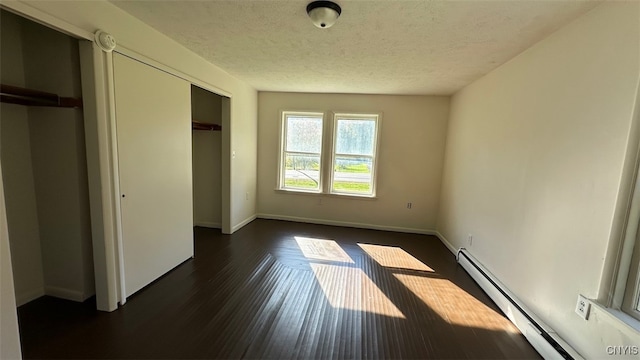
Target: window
[(301, 151), (626, 285), (354, 154), (631, 299), (351, 168)]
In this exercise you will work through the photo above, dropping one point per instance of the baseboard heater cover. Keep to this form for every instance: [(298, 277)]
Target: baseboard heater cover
[(540, 336)]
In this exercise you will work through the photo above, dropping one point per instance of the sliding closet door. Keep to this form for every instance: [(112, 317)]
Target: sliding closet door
[(153, 118)]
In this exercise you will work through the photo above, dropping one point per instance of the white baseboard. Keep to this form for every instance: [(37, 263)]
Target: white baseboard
[(28, 296), (446, 242), (243, 223), (67, 294), (207, 224), (347, 224), (523, 318)]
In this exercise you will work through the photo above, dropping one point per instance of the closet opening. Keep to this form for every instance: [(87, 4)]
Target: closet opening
[(44, 162), (207, 111)]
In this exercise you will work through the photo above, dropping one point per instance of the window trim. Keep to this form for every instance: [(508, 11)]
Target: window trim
[(282, 152), (621, 280), (624, 290), (374, 158), (627, 289), (326, 160)]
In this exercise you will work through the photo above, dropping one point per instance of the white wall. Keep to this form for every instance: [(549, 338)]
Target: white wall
[(9, 336), (15, 150), (534, 157), (244, 158), (59, 165), (206, 107), (133, 34), (45, 167), (412, 134), (21, 202), (28, 273)]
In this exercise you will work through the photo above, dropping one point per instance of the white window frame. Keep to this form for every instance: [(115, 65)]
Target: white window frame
[(626, 294), (374, 158), (631, 299), (327, 162), (283, 152), (619, 294)]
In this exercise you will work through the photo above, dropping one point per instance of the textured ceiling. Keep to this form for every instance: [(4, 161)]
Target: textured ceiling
[(379, 47)]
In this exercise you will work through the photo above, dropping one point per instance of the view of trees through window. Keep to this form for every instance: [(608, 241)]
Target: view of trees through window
[(302, 151), (353, 155)]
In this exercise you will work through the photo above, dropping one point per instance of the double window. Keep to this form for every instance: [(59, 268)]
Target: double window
[(350, 169)]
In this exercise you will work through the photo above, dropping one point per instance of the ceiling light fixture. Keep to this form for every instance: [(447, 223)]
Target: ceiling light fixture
[(323, 14)]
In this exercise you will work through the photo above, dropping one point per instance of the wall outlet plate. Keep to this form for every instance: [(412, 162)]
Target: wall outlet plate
[(582, 307)]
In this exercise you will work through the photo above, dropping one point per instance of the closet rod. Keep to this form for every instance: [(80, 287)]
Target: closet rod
[(21, 96), (196, 125)]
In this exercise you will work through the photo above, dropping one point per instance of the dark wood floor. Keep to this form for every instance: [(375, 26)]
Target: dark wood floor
[(284, 290)]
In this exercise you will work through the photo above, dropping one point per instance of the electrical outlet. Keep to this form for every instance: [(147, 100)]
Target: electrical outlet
[(582, 307), (246, 196), (409, 205), (470, 239)]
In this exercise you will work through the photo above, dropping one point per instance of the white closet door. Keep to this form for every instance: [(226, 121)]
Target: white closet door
[(153, 118)]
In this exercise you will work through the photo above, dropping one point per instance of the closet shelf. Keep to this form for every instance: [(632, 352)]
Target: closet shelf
[(196, 125), (21, 96)]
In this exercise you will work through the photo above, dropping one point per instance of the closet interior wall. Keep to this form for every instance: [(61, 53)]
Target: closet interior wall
[(44, 166), (206, 107)]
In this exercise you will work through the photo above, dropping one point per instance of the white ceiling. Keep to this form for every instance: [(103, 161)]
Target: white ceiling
[(376, 47)]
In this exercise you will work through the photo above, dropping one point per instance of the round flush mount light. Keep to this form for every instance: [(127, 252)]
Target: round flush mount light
[(323, 14)]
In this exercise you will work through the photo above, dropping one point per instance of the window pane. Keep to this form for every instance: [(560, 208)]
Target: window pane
[(304, 134), (355, 137), (352, 175), (302, 172), (638, 298)]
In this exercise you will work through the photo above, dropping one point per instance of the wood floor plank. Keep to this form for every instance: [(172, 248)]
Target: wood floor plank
[(282, 290)]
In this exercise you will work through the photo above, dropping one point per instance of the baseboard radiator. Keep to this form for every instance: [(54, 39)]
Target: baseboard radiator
[(541, 337)]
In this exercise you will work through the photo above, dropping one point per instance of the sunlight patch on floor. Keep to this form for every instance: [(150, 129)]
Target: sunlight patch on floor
[(394, 257), (322, 249), (350, 288), (455, 305)]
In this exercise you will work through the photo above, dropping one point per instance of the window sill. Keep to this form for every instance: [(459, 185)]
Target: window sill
[(620, 318), (337, 196)]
